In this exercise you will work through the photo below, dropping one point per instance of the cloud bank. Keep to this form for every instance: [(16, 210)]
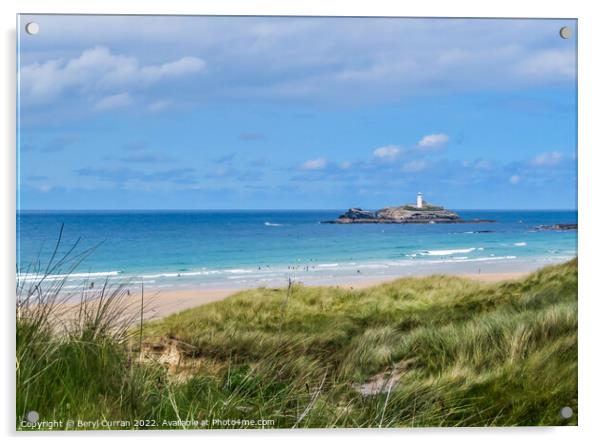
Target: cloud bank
[(98, 69)]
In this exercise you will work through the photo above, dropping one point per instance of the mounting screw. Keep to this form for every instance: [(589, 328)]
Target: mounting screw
[(565, 32), (566, 412), (32, 416), (32, 28)]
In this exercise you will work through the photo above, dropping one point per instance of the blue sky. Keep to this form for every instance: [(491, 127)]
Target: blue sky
[(268, 113)]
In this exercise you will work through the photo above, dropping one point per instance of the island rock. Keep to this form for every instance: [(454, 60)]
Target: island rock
[(420, 213)]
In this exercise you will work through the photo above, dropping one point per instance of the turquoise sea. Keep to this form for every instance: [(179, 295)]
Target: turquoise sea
[(189, 249)]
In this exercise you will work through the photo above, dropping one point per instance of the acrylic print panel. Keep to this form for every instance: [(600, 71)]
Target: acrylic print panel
[(310, 222)]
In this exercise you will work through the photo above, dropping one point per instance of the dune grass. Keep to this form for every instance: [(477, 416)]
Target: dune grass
[(434, 351)]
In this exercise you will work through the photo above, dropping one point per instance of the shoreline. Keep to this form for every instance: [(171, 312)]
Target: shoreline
[(172, 298), (310, 273), (165, 303)]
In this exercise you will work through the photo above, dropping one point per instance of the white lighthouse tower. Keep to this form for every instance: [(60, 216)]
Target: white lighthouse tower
[(419, 200)]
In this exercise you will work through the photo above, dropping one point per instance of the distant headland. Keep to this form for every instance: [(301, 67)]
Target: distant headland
[(420, 213)]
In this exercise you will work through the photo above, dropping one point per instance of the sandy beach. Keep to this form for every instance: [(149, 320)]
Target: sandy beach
[(165, 302)]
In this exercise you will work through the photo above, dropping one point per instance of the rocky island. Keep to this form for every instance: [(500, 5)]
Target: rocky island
[(419, 213), (556, 227)]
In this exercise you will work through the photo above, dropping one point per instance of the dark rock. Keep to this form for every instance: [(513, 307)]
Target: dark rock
[(557, 227), (405, 214), (356, 213), (409, 214)]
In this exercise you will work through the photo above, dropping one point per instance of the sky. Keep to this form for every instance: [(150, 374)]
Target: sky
[(155, 112)]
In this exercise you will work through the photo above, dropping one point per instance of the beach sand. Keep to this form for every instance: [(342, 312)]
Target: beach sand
[(160, 304), (164, 303)]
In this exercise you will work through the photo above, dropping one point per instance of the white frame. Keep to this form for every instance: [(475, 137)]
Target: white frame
[(590, 211)]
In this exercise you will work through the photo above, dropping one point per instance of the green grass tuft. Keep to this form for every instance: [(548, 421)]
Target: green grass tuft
[(436, 351)]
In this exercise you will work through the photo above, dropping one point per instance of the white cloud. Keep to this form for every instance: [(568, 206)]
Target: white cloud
[(343, 59), (181, 67), (314, 164), (547, 63), (514, 179), (115, 101), (345, 165), (433, 141), (158, 106), (98, 69), (414, 166), (388, 152), (547, 159)]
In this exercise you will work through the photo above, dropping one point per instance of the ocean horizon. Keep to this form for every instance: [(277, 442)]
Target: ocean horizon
[(250, 248)]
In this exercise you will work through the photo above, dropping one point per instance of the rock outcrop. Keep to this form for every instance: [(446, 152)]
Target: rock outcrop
[(557, 227), (410, 213), (356, 213), (406, 214)]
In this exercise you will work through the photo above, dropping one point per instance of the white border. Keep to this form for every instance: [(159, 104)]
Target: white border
[(590, 214)]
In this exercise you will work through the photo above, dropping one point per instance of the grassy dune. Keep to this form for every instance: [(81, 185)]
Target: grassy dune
[(435, 351)]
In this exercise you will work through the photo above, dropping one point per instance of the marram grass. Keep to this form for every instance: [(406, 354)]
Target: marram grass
[(416, 352)]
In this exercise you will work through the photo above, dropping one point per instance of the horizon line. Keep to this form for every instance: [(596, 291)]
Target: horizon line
[(270, 209)]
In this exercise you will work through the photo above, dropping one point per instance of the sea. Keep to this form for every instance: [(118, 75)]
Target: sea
[(251, 248)]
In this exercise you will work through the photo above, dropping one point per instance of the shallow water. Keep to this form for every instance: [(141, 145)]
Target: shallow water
[(250, 248)]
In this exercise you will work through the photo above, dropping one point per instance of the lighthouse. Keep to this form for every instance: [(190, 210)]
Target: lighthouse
[(419, 200)]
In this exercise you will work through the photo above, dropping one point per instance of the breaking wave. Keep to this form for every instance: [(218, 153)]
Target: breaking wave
[(448, 252)]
